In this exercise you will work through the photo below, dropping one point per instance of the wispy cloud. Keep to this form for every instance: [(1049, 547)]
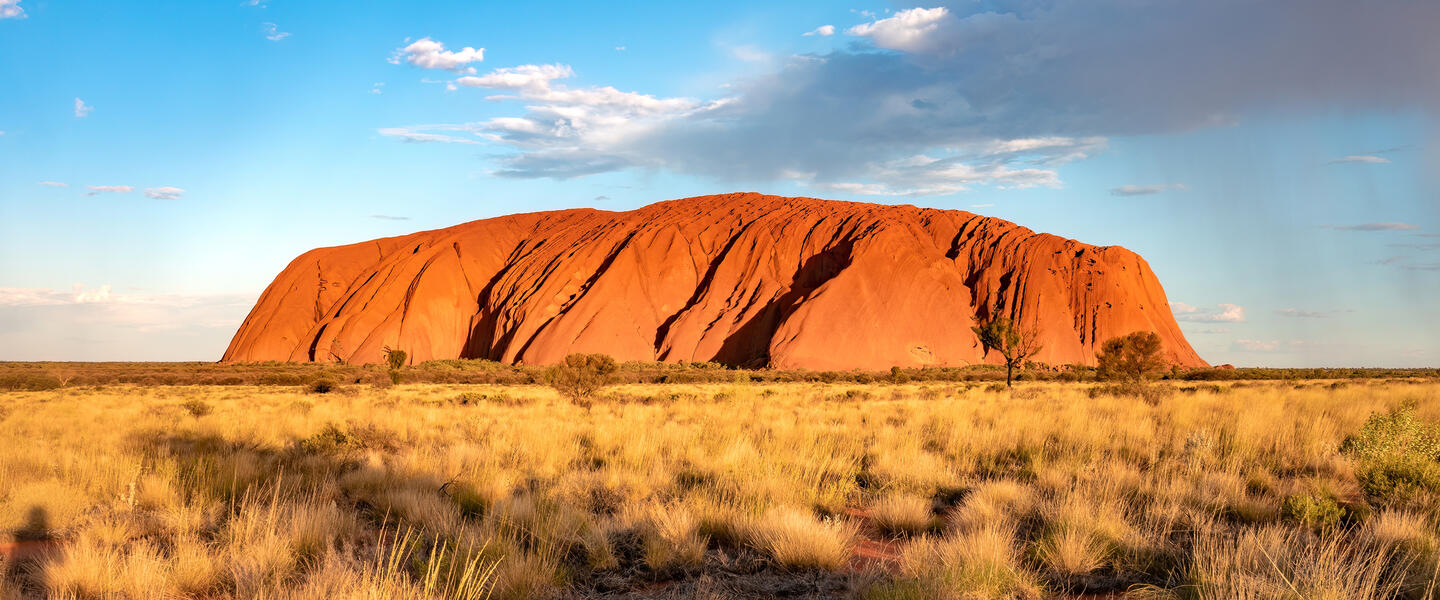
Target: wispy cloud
[(823, 30), (1244, 345), (1382, 226), (378, 87), (82, 109), (112, 189), (1360, 159), (1221, 313), (10, 9), (1146, 190), (389, 218), (53, 184), (430, 54), (1212, 331), (273, 33), (1306, 314), (164, 193), (418, 135), (118, 325)]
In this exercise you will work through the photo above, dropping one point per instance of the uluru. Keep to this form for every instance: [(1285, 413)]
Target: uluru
[(740, 279)]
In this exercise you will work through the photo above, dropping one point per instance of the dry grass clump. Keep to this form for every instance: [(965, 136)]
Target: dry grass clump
[(1252, 490), (902, 514), (797, 539)]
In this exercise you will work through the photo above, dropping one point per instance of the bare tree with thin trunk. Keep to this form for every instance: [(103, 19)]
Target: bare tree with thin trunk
[(1011, 340)]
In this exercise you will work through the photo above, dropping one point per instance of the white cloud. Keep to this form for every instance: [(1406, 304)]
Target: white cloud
[(82, 109), (1222, 313), (1212, 331), (913, 30), (10, 9), (750, 53), (1146, 190), (415, 135), (619, 48), (273, 33), (823, 30), (1382, 226), (430, 54), (116, 189), (1256, 345), (378, 88), (107, 324), (985, 205), (533, 77), (389, 218), (1304, 314), (164, 193), (53, 184), (566, 132), (1360, 159)]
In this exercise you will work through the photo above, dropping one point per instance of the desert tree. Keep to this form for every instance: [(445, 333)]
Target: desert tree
[(1134, 357), (395, 359), (1013, 341), (579, 376)]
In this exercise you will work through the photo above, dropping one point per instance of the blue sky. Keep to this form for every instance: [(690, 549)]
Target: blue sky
[(1275, 162)]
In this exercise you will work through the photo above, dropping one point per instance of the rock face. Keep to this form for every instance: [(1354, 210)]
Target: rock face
[(741, 279)]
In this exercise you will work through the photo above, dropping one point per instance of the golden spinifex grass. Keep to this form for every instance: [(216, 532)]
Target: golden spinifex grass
[(759, 490)]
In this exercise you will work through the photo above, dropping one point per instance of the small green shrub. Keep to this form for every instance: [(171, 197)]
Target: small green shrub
[(1314, 510), (1399, 481), (1399, 434)]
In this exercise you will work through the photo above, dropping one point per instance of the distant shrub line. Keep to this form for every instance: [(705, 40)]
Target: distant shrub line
[(39, 376)]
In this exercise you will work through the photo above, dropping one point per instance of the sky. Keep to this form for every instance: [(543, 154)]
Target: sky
[(1274, 161)]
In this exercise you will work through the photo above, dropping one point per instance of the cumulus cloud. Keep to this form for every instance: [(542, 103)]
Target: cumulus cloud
[(945, 81), (82, 109), (430, 54), (10, 9), (1383, 226), (53, 184), (164, 193), (535, 78), (914, 30), (273, 33), (1244, 345), (1360, 158), (567, 132), (823, 30), (114, 189), (1146, 190), (1221, 313)]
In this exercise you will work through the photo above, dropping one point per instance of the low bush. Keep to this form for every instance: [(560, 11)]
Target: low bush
[(579, 376), (29, 382), (1318, 511)]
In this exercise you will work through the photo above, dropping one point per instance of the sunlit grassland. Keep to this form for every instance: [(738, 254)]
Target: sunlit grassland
[(720, 490)]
